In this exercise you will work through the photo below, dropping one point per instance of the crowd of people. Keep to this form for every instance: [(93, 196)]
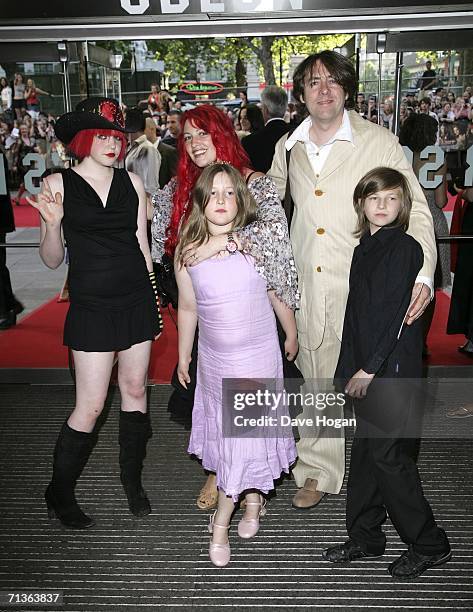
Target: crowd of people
[(453, 112), (348, 266), (25, 128)]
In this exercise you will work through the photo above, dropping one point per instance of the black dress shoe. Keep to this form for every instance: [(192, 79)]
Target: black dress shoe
[(346, 552), (9, 320), (465, 351), (412, 564), (18, 307)]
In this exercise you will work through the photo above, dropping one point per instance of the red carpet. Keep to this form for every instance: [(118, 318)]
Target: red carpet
[(36, 342), (450, 204), (25, 215)]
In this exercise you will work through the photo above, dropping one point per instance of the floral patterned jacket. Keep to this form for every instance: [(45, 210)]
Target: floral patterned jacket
[(266, 239)]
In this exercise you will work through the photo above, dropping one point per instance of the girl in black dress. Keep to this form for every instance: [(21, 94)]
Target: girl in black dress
[(101, 213)]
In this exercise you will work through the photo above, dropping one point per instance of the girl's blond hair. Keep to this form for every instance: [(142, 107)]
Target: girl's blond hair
[(196, 229)]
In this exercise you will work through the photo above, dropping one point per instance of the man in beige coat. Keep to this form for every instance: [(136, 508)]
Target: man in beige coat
[(330, 151)]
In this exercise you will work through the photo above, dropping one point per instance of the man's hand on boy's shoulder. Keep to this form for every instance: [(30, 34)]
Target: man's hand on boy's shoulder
[(358, 384)]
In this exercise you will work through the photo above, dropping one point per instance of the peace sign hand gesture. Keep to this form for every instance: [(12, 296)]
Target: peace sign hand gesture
[(49, 206)]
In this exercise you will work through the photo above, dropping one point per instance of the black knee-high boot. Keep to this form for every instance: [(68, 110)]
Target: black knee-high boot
[(71, 454), (134, 433)]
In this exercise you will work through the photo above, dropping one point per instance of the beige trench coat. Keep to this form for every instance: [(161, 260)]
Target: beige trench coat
[(324, 220)]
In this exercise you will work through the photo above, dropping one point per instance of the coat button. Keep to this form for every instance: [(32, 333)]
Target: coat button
[(319, 269), (318, 192), (320, 231)]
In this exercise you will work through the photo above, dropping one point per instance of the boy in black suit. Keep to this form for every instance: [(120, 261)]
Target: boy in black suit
[(380, 352)]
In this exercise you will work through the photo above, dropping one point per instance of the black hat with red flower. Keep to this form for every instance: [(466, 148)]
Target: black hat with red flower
[(90, 114)]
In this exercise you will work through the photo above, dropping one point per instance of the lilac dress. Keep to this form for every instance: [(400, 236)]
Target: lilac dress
[(237, 339)]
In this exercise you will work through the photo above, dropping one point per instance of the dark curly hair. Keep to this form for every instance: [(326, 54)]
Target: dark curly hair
[(340, 68), (418, 131)]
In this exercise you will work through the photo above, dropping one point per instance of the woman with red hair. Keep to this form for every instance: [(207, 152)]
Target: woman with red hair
[(101, 212), (208, 136)]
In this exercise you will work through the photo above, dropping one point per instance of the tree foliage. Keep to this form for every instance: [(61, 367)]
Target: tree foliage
[(182, 57), (423, 56), (122, 47), (284, 47)]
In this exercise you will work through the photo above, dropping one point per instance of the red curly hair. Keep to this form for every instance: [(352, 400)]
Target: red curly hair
[(81, 144), (216, 123)]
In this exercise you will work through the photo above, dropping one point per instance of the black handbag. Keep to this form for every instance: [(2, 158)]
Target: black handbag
[(166, 282)]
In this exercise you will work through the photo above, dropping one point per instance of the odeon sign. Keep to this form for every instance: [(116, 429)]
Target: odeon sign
[(139, 7), (162, 7), (90, 12)]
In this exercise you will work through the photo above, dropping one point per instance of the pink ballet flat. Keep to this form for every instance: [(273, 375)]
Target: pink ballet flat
[(248, 528), (219, 553)]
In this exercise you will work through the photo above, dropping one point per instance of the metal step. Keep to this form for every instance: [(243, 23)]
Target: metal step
[(161, 561)]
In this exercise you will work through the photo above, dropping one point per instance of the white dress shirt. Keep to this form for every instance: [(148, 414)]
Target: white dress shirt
[(318, 155)]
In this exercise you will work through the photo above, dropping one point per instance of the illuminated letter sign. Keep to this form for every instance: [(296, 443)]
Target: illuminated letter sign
[(135, 9), (207, 6), (176, 7), (167, 6)]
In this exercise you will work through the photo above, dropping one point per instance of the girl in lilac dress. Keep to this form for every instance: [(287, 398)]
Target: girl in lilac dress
[(235, 310)]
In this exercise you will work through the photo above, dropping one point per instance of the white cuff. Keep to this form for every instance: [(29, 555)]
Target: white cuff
[(427, 281)]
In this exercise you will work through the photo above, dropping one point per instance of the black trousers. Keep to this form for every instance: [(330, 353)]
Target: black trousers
[(384, 479), (6, 293)]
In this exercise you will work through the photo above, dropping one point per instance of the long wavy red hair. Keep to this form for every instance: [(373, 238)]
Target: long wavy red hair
[(229, 149)]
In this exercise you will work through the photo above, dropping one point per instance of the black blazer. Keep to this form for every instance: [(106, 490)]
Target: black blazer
[(382, 275), (261, 144)]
